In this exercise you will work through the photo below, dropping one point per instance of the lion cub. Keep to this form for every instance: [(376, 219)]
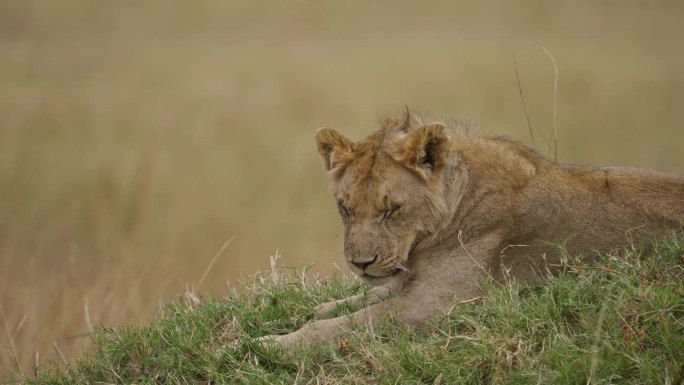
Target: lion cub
[(429, 208)]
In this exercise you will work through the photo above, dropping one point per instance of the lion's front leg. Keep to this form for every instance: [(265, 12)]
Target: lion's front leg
[(374, 295), (311, 333), (326, 309), (412, 310), (391, 287), (324, 330), (328, 329), (441, 282)]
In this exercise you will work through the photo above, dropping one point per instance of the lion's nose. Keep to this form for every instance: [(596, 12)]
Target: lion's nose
[(364, 264)]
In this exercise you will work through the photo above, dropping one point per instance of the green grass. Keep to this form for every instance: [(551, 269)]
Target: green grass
[(618, 321)]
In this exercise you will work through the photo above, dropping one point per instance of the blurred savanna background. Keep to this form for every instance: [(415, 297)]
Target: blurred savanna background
[(137, 137)]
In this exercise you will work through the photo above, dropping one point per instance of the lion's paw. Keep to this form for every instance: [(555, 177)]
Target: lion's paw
[(326, 309), (285, 341)]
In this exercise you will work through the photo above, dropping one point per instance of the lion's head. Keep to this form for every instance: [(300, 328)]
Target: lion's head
[(390, 191)]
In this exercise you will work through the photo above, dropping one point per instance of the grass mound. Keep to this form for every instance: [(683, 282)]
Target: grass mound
[(619, 321)]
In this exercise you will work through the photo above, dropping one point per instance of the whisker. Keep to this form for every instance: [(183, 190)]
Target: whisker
[(400, 265)]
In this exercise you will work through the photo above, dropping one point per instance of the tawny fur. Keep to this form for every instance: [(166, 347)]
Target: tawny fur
[(430, 208)]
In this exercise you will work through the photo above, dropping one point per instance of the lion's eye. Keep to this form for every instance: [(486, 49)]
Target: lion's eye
[(344, 210), (388, 213)]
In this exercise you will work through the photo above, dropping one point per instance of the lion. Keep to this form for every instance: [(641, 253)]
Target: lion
[(430, 208)]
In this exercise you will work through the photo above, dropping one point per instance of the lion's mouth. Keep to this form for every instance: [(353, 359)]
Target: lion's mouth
[(376, 275), (398, 267)]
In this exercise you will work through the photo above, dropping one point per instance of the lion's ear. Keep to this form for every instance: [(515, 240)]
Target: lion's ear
[(426, 148), (333, 147)]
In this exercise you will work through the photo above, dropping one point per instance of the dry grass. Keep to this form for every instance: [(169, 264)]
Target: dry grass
[(136, 139)]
